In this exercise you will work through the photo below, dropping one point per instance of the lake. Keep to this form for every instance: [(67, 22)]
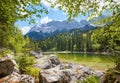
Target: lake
[(96, 62)]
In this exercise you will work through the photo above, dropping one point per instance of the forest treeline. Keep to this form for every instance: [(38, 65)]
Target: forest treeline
[(104, 39)]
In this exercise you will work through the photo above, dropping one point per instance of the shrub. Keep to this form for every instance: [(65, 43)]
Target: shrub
[(4, 52), (25, 61), (118, 63), (91, 79), (33, 71), (111, 76)]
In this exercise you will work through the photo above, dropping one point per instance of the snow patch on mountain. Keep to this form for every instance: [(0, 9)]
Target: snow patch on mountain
[(54, 27)]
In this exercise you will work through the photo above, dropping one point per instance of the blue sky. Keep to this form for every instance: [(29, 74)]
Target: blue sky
[(54, 14), (57, 15)]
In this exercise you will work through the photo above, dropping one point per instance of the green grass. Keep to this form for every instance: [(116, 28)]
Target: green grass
[(97, 62)]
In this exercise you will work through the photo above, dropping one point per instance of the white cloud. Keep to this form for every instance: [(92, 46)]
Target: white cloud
[(64, 13), (45, 20), (25, 29), (46, 3), (23, 13)]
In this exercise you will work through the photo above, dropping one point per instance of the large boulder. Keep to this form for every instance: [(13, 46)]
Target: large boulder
[(52, 76), (36, 54), (55, 61), (99, 73), (47, 62), (46, 65), (53, 71), (87, 70), (12, 78), (7, 65), (9, 73), (27, 79), (65, 73), (17, 78)]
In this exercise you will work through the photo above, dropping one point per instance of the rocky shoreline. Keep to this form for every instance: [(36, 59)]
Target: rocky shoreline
[(54, 71), (51, 71)]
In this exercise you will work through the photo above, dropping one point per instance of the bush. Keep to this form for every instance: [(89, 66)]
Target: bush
[(25, 61), (111, 76), (118, 63), (33, 71), (4, 52), (91, 79)]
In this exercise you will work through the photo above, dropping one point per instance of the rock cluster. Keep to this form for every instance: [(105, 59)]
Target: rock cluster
[(10, 74), (47, 62), (67, 73), (36, 54), (52, 71)]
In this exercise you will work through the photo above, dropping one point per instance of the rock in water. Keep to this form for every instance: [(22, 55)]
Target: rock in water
[(6, 66)]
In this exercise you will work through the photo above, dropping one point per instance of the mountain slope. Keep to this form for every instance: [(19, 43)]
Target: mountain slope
[(55, 27)]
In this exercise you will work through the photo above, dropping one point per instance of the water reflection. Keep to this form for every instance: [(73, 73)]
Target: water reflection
[(96, 61)]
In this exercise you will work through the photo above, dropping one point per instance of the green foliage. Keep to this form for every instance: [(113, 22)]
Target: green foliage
[(25, 61), (17, 42), (68, 41), (104, 39), (31, 45), (65, 41), (117, 61), (32, 71), (111, 76), (4, 52), (92, 8), (21, 10), (5, 34), (91, 79), (75, 47), (96, 46), (107, 38)]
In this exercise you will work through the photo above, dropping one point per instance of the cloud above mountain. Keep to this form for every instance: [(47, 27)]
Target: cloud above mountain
[(25, 29), (45, 20)]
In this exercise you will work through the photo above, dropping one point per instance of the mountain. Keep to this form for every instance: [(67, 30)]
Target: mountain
[(52, 28)]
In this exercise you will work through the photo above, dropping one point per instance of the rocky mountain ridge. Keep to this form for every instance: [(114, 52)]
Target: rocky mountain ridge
[(55, 27)]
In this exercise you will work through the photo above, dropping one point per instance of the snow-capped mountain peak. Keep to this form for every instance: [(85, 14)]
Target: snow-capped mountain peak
[(54, 27)]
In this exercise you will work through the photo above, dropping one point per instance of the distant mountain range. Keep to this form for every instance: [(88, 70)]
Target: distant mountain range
[(55, 27)]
